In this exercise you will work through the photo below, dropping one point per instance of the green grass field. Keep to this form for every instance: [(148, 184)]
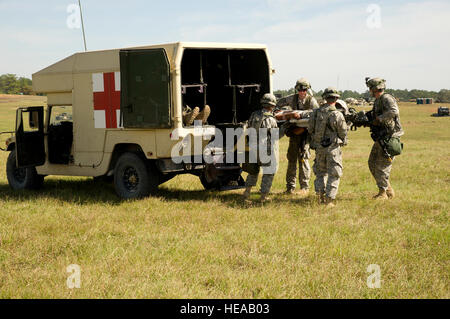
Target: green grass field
[(188, 243)]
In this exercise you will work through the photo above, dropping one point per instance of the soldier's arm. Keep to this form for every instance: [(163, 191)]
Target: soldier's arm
[(338, 123), (284, 101), (314, 104), (390, 109)]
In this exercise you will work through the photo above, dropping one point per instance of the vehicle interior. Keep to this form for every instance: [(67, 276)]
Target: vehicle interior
[(60, 134), (230, 82)]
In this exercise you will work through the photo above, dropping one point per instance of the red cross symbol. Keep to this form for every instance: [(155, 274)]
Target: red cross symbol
[(108, 99)]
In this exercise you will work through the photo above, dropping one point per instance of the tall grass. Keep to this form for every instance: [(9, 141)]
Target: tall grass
[(188, 243)]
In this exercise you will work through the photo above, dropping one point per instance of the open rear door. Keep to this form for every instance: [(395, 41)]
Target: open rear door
[(145, 89), (30, 150)]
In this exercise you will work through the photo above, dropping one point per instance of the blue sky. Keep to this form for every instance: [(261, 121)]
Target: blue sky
[(330, 42)]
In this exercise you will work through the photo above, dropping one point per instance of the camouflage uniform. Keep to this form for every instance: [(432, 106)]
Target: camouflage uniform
[(385, 108), (298, 150), (327, 123), (263, 119)]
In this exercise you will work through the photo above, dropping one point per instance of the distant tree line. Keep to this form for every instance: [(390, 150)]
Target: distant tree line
[(11, 84), (404, 95)]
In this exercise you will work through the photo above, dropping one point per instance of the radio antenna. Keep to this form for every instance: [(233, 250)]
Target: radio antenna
[(82, 25)]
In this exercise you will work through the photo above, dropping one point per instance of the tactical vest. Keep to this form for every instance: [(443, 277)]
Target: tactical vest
[(321, 123), (307, 102), (257, 119), (393, 128)]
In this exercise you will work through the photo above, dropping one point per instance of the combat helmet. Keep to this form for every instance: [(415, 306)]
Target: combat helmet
[(268, 99), (342, 106), (330, 92), (376, 83), (302, 84)]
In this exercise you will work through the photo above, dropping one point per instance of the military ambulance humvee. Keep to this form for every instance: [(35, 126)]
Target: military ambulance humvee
[(113, 113)]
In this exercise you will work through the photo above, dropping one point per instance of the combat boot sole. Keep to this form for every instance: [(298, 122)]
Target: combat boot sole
[(203, 115), (189, 118)]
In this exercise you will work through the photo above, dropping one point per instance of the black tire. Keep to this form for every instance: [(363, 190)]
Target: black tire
[(133, 178), (214, 185), (22, 178)]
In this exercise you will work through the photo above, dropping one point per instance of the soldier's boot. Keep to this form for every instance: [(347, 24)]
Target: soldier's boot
[(381, 195), (247, 192), (264, 198), (329, 202), (320, 198), (290, 191), (303, 192), (204, 114), (390, 191), (190, 115)]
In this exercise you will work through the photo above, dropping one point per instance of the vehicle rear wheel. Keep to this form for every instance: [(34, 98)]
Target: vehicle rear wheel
[(208, 184), (133, 178), (22, 178)]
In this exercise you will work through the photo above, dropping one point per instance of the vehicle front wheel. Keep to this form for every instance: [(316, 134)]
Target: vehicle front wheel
[(133, 178), (22, 178)]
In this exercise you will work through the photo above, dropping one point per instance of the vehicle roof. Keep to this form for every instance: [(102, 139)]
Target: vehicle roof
[(101, 60)]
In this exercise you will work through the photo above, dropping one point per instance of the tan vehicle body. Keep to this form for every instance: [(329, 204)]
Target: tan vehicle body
[(127, 115), (69, 82)]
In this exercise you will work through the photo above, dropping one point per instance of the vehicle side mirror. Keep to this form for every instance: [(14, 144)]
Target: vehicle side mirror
[(34, 119)]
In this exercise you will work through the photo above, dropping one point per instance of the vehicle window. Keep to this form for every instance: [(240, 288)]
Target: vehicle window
[(27, 120), (60, 114)]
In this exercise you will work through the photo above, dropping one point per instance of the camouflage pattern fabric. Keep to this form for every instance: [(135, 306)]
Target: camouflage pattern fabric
[(266, 182), (328, 170), (330, 92), (298, 150), (327, 123), (262, 119), (380, 166), (385, 108), (376, 83), (302, 83), (293, 101)]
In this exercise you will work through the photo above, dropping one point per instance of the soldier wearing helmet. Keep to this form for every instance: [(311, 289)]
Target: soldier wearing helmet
[(263, 119), (328, 131), (298, 150), (387, 120)]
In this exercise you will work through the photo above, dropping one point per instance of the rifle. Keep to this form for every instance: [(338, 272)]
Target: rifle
[(359, 119), (378, 133)]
